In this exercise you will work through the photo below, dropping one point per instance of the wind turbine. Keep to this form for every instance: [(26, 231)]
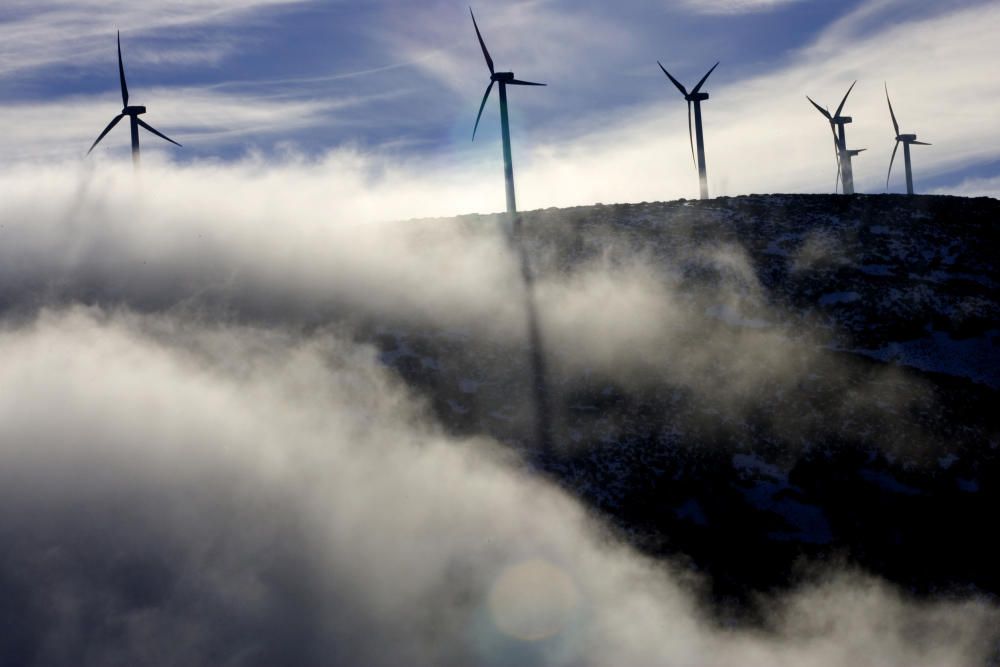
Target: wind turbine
[(504, 79), (837, 122), (695, 97), (132, 112), (907, 140)]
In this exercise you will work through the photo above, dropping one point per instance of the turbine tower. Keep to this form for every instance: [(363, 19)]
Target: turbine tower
[(132, 112), (695, 97), (837, 126), (504, 79), (907, 140)]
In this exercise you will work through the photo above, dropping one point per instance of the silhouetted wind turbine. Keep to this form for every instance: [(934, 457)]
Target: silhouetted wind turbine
[(695, 97), (504, 79), (133, 114), (907, 140), (837, 123)]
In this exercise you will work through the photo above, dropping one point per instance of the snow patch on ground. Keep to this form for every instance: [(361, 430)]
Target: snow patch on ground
[(691, 511), (977, 359), (770, 492), (877, 269), (886, 481), (947, 461), (467, 386), (838, 297)]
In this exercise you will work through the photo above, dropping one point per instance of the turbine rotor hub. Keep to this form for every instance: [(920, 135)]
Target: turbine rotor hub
[(134, 111), (842, 120), (906, 137), (697, 97), (505, 77)]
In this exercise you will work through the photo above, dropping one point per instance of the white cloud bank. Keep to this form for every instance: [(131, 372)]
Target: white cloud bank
[(315, 240), (974, 187), (180, 488), (180, 492)]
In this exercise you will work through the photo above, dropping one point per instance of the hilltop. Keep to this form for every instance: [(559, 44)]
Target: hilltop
[(826, 388)]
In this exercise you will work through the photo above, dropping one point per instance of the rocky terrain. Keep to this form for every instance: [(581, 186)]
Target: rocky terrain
[(824, 386)]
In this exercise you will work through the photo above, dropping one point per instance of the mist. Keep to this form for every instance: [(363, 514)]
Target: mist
[(203, 461), (302, 242), (183, 493)]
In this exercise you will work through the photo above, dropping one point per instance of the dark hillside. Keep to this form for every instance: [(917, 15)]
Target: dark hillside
[(823, 386)]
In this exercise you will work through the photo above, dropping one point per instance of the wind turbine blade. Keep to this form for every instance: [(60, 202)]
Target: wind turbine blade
[(920, 143), (121, 72), (106, 130), (518, 82), (486, 54), (836, 143), (889, 175), (844, 101), (691, 136), (481, 107), (704, 79), (677, 83), (895, 125), (819, 108), (155, 131)]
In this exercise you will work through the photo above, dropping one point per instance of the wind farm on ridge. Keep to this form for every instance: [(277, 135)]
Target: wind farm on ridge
[(843, 155)]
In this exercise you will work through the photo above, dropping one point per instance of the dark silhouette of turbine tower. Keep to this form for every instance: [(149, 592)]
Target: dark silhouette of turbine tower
[(132, 112), (845, 170), (907, 140), (504, 79), (695, 98)]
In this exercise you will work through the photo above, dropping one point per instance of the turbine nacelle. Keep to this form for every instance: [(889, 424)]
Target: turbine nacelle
[(133, 112), (907, 140), (503, 78), (694, 98), (842, 154)]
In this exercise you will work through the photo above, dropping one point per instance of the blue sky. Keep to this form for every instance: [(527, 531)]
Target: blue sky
[(397, 85)]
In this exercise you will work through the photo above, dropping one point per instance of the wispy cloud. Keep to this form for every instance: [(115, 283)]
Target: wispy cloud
[(733, 6), (973, 187), (35, 34), (197, 116), (761, 134)]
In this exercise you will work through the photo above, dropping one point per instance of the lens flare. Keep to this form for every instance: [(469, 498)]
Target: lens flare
[(532, 600)]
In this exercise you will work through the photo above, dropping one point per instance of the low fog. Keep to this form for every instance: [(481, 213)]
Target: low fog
[(203, 462), (305, 242)]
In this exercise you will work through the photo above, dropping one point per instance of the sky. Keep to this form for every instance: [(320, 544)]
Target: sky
[(396, 85)]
